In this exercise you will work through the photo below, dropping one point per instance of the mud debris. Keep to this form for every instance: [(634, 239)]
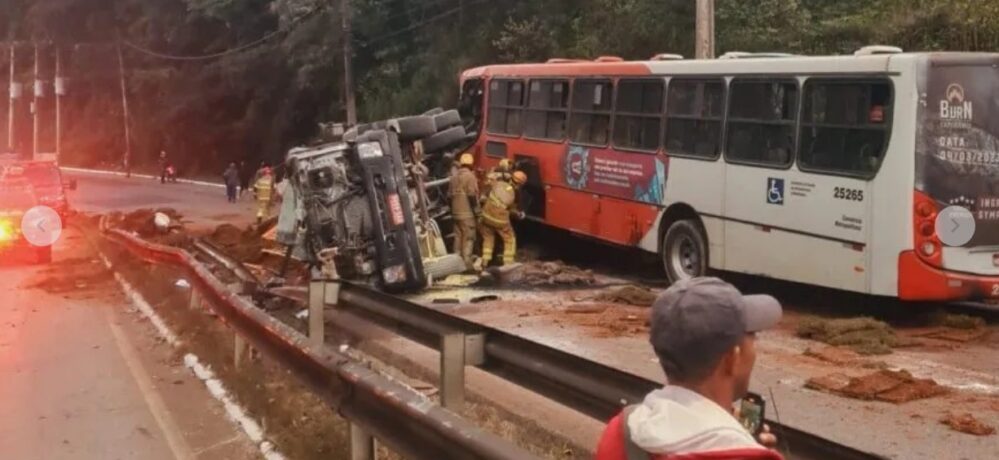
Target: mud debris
[(959, 321), (967, 423), (629, 294), (243, 245), (866, 336), (141, 220), (554, 273), (843, 357), (884, 385)]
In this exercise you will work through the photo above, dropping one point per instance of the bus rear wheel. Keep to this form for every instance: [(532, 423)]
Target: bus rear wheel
[(685, 251)]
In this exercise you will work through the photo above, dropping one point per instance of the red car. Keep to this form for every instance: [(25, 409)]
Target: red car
[(16, 198)]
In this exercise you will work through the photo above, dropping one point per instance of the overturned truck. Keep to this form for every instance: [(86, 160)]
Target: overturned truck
[(372, 206)]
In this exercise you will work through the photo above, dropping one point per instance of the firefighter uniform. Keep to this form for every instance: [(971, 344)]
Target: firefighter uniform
[(263, 189), (500, 172), (464, 208), (499, 204)]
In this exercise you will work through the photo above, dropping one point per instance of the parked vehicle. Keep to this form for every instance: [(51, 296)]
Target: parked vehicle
[(49, 185), (16, 198)]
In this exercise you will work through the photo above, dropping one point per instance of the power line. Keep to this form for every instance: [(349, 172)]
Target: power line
[(220, 54), (443, 15)]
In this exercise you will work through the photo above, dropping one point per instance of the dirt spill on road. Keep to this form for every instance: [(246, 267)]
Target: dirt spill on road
[(243, 245), (76, 277), (884, 385), (967, 423), (629, 294), (540, 274), (866, 336)]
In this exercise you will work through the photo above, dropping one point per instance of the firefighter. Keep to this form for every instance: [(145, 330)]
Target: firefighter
[(464, 207), (500, 203), (499, 172), (263, 189)]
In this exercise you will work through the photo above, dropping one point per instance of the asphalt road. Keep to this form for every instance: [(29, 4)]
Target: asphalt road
[(83, 376)]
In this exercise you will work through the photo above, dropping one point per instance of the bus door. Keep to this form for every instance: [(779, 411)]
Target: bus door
[(797, 197)]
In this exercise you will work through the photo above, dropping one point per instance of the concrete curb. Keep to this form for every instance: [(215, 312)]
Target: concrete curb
[(140, 176)]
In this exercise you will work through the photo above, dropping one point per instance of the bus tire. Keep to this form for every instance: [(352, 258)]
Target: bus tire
[(684, 250)]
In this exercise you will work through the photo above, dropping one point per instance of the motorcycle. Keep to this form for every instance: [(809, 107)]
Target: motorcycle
[(171, 174)]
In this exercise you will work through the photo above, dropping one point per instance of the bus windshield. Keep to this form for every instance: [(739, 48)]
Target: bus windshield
[(958, 144)]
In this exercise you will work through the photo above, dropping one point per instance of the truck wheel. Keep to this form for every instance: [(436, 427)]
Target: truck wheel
[(43, 255), (445, 120), (685, 251), (444, 139), (433, 111), (439, 268), (413, 128)]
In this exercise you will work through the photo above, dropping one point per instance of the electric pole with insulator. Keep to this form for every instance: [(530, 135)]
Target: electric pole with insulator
[(704, 30)]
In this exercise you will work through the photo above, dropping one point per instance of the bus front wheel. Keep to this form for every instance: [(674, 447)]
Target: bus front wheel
[(685, 251)]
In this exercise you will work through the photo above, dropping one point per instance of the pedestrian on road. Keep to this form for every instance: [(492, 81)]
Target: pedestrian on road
[(231, 179), (164, 164), (465, 208), (500, 204), (704, 332), (244, 178), (263, 189)]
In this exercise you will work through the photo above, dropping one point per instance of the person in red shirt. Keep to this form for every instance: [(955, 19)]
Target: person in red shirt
[(704, 332)]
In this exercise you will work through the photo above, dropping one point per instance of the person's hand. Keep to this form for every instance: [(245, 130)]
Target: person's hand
[(521, 215), (767, 438)]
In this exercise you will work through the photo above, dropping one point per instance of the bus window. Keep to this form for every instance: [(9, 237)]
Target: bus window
[(761, 119), (638, 114), (547, 104), (506, 99), (694, 117), (591, 112), (844, 126), (470, 105)]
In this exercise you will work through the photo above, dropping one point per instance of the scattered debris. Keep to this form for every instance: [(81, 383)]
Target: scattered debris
[(954, 335), (843, 357), (182, 283), (866, 336), (162, 222), (586, 308), (957, 321), (304, 314), (458, 280), (884, 385), (242, 245), (629, 294), (143, 221), (967, 423), (484, 298), (542, 274)]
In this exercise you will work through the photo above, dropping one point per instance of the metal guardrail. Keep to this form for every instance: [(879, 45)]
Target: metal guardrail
[(586, 386), (398, 416)]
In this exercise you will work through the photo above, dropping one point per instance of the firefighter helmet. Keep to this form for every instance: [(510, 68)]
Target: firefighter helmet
[(519, 177), (466, 159)]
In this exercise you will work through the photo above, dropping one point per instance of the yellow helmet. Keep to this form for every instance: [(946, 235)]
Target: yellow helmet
[(466, 159), (504, 164), (519, 177)]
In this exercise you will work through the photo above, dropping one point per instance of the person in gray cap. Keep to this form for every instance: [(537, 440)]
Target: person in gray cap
[(704, 332)]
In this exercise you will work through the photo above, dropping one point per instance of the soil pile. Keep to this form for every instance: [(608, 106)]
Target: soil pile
[(967, 423), (546, 274), (889, 386), (243, 245), (630, 294), (866, 336)]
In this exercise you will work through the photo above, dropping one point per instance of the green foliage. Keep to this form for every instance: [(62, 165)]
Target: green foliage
[(407, 55)]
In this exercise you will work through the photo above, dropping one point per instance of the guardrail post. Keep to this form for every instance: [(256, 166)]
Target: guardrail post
[(452, 372), (241, 350), (195, 303), (317, 297), (362, 444)]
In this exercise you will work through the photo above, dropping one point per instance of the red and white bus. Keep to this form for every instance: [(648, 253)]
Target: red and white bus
[(832, 171)]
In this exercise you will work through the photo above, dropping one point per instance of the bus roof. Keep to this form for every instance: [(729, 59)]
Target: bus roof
[(770, 63)]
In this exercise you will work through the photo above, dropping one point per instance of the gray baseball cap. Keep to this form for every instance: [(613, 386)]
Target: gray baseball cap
[(696, 321)]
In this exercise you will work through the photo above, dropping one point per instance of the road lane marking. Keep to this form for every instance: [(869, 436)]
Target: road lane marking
[(174, 438)]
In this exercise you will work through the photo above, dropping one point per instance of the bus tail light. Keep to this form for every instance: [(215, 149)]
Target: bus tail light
[(924, 223)]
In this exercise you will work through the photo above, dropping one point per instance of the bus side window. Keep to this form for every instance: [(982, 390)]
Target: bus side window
[(638, 114), (694, 117), (844, 126), (761, 121), (506, 100), (547, 104), (591, 112)]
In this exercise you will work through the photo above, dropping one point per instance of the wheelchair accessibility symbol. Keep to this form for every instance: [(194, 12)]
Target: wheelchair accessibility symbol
[(775, 191)]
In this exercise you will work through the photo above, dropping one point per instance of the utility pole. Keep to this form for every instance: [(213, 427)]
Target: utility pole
[(60, 90), (348, 65), (34, 109), (127, 160), (704, 31), (14, 90)]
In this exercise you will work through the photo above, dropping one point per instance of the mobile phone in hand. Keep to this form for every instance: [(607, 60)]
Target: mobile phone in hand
[(751, 411)]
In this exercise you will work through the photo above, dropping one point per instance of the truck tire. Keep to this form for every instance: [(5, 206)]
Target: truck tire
[(439, 268), (444, 139), (382, 124), (413, 128), (350, 135), (445, 120), (684, 252), (433, 111)]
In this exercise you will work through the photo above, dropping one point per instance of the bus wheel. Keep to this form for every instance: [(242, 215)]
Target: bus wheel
[(685, 251)]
